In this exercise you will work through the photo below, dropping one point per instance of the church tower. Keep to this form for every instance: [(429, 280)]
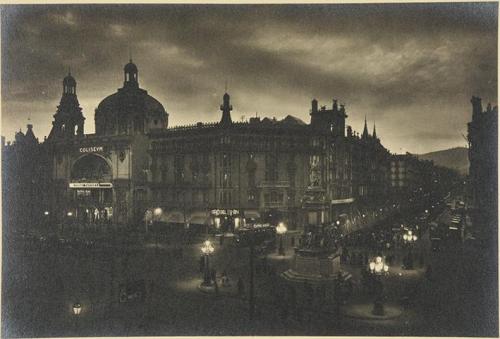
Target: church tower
[(68, 120)]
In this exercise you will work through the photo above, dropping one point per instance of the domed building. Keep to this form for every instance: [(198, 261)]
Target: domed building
[(135, 170), (130, 110)]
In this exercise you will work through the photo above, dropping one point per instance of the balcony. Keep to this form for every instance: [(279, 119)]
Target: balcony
[(274, 184), (275, 204)]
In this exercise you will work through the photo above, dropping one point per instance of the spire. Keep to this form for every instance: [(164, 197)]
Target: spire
[(365, 130), (226, 109), (374, 131)]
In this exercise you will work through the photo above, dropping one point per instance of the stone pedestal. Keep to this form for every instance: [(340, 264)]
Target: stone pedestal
[(316, 262), (315, 266)]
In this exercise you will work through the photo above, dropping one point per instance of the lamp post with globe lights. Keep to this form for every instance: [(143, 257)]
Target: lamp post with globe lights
[(409, 239), (46, 217), (207, 249), (281, 230), (69, 216), (378, 268), (148, 219), (77, 309), (157, 214)]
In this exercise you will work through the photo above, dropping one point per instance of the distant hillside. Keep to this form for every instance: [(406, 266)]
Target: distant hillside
[(456, 158)]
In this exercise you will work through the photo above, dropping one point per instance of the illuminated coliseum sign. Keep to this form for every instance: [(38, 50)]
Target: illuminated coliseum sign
[(91, 149)]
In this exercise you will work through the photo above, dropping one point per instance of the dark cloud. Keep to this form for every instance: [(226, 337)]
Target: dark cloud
[(410, 67)]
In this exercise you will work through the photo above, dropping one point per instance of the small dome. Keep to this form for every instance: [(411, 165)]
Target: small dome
[(130, 67), (69, 80)]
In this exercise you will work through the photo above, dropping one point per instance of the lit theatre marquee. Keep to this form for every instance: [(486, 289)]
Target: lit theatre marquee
[(90, 185)]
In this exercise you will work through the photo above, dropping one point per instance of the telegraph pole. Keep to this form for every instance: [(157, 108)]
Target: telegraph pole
[(251, 292)]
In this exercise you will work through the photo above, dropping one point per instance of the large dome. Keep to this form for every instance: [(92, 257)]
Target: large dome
[(130, 110), (137, 100)]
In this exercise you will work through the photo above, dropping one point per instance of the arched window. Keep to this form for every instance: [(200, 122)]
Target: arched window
[(91, 168), (138, 124)]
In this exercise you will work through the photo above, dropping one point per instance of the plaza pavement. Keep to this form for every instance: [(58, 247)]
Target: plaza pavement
[(42, 286)]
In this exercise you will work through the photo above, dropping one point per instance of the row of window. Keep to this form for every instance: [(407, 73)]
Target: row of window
[(225, 197), (271, 170), (256, 142)]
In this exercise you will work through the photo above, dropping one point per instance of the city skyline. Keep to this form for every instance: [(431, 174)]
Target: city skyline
[(410, 68)]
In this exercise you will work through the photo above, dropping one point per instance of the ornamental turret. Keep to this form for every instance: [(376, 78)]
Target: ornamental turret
[(226, 109), (131, 75), (68, 120)]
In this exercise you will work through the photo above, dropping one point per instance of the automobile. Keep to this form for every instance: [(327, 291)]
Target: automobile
[(436, 244)]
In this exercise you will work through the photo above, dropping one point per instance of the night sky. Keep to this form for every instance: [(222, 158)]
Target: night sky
[(411, 68)]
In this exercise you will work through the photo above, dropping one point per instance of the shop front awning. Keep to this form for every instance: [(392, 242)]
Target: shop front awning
[(252, 214), (200, 218), (342, 201), (175, 217)]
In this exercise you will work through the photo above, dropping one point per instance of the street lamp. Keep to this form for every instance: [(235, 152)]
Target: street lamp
[(409, 238), (46, 223), (157, 212), (68, 220), (281, 230), (77, 309), (207, 249)]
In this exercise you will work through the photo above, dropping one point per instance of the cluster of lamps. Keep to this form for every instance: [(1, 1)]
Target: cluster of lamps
[(409, 237), (378, 266), (207, 248)]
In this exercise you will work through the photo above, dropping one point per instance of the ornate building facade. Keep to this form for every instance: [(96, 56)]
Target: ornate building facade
[(135, 169), (483, 170)]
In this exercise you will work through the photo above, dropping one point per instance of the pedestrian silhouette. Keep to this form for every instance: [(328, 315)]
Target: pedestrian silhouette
[(216, 286), (241, 287)]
